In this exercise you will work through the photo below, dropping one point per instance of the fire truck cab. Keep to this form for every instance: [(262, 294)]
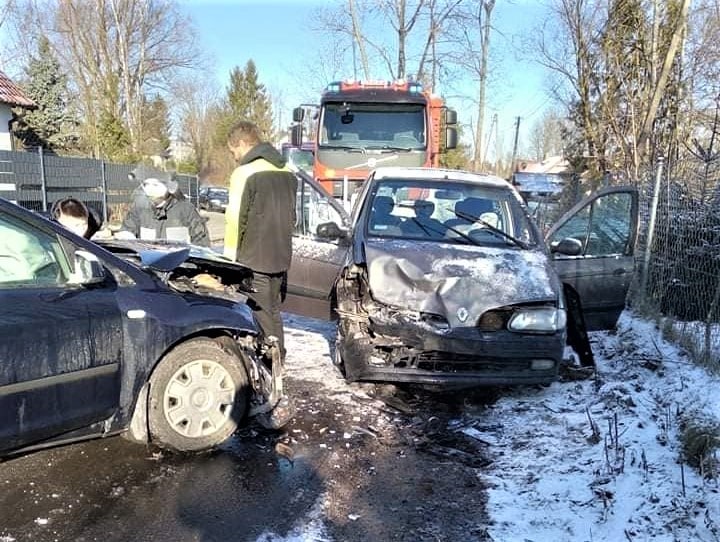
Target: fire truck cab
[(362, 125)]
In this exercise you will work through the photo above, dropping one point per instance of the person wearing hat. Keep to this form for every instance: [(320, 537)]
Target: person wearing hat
[(159, 210)]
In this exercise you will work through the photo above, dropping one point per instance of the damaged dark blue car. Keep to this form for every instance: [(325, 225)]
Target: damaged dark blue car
[(153, 341)]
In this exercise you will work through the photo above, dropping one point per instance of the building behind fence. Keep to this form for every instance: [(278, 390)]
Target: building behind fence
[(36, 179)]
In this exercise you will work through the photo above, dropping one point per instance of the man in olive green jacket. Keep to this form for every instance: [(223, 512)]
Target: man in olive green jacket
[(259, 221)]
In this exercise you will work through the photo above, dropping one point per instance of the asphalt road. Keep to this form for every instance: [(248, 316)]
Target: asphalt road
[(343, 470)]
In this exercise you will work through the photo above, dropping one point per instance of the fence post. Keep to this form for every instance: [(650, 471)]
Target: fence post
[(651, 225), (104, 190), (43, 182)]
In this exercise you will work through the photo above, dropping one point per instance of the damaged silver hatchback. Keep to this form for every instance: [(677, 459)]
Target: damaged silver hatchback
[(441, 277)]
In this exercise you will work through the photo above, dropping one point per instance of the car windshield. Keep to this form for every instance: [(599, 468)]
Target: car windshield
[(379, 126), (450, 212), (217, 193)]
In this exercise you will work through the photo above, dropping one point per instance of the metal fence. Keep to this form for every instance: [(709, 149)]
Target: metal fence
[(36, 179)]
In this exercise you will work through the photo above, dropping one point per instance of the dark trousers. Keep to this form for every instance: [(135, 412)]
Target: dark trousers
[(268, 298)]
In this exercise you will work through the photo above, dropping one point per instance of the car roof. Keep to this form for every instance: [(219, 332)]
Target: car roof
[(434, 174)]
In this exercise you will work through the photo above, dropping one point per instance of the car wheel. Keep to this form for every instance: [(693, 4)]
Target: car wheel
[(198, 395)]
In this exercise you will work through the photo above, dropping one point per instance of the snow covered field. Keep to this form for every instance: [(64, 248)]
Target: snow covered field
[(593, 459)]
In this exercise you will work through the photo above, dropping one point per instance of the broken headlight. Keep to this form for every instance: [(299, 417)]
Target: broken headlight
[(539, 320)]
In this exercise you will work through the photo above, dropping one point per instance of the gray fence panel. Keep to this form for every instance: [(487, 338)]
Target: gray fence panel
[(97, 183), (22, 179)]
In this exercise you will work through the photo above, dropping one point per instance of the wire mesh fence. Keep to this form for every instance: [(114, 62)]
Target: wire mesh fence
[(35, 180), (681, 281)]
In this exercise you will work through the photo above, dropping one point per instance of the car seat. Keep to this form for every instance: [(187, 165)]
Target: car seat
[(423, 225), (381, 219), (471, 208)]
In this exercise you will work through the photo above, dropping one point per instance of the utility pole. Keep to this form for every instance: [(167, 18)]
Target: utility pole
[(514, 154)]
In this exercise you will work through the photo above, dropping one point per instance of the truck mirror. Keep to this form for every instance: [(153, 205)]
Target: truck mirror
[(298, 114), (450, 116), (451, 139), (296, 135)]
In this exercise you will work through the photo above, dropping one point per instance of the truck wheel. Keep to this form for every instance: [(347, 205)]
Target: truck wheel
[(198, 395)]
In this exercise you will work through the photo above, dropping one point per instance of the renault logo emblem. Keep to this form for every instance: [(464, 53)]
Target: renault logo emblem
[(462, 314)]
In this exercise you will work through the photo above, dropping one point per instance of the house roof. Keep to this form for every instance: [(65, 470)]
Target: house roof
[(552, 164), (11, 94)]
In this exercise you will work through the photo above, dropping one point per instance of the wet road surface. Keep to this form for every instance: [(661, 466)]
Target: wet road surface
[(356, 464)]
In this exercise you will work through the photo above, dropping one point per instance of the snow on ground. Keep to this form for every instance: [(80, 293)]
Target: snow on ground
[(586, 460)]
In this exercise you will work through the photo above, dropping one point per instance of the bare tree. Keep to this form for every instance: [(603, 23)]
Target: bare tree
[(403, 41), (621, 64), (117, 50), (357, 38), (197, 108), (471, 43), (546, 136)]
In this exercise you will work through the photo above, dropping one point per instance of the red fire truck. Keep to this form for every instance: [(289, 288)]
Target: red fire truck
[(360, 125)]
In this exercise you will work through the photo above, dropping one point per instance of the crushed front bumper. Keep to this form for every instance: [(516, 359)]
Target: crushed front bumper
[(462, 357), (270, 406)]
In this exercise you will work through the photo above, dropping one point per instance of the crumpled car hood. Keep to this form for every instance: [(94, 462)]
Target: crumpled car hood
[(166, 256), (456, 281)]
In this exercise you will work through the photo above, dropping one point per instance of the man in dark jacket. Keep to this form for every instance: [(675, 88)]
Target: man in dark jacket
[(259, 221), (159, 210)]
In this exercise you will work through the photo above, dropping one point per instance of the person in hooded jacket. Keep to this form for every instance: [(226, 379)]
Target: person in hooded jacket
[(259, 221), (159, 210)]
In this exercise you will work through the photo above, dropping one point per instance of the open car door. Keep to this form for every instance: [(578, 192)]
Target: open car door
[(320, 244), (604, 227)]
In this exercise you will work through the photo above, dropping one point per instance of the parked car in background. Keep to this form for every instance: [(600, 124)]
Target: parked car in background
[(442, 278), (213, 198), (152, 340)]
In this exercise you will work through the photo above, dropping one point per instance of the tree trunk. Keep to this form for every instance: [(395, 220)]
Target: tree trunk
[(484, 26), (358, 38)]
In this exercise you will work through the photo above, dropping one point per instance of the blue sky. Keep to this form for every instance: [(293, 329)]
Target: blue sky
[(278, 36)]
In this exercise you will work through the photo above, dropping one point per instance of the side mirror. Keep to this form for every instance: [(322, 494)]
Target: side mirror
[(298, 114), (88, 269), (330, 230), (296, 133), (568, 246), (451, 139), (450, 116)]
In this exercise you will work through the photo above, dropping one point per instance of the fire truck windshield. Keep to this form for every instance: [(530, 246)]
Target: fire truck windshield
[(373, 126)]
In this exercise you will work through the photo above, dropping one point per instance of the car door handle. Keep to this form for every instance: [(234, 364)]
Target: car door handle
[(619, 271)]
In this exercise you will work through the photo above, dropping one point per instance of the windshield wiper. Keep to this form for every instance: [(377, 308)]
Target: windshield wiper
[(493, 229), (391, 148), (427, 229), (343, 148)]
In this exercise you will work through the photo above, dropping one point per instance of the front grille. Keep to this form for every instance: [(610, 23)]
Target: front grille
[(449, 362)]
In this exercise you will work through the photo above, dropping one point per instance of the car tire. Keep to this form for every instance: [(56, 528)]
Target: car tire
[(199, 393)]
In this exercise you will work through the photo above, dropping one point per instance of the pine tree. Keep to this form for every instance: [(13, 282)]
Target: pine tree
[(50, 125), (248, 99), (155, 125)]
